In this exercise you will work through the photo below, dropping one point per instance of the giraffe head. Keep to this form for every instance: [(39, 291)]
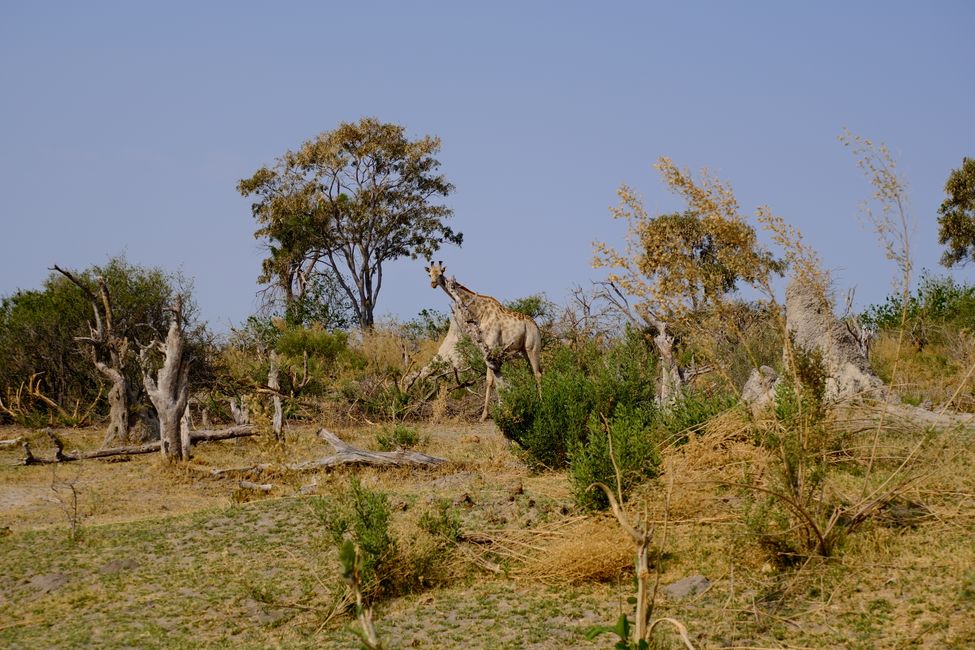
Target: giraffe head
[(436, 272)]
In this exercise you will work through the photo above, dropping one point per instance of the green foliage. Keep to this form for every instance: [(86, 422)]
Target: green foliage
[(314, 341), (379, 398), (324, 302), (358, 521), (956, 225), (634, 450), (542, 310), (546, 428), (38, 329), (938, 306), (397, 436), (674, 423), (361, 517), (586, 393), (309, 359), (442, 523), (795, 517), (799, 396), (719, 257), (621, 630), (576, 384), (364, 189), (428, 324)]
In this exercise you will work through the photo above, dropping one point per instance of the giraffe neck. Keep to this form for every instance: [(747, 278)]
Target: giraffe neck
[(477, 305)]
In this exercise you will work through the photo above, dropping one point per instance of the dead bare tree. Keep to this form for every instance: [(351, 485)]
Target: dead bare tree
[(169, 391), (672, 376), (274, 383), (240, 410), (109, 353)]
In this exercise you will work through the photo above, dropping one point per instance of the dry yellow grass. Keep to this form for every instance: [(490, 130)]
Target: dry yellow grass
[(583, 551), (892, 586), (931, 375)]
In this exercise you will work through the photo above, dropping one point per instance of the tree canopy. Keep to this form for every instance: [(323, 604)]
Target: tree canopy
[(680, 262), (345, 203), (957, 220)]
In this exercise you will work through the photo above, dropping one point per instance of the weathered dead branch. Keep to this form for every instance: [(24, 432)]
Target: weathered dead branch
[(60, 456), (345, 454), (259, 487)]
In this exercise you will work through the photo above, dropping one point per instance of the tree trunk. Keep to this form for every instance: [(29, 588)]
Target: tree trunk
[(671, 387), (109, 353), (169, 391), (277, 420), (118, 412), (240, 411), (185, 430), (60, 456)]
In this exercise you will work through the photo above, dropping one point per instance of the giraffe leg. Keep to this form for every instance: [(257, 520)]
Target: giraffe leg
[(487, 393), (532, 356)]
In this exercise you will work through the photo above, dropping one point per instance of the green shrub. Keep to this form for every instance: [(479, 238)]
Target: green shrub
[(428, 324), (313, 340), (362, 516), (673, 424), (587, 392), (546, 427), (396, 437), (378, 398), (634, 448), (799, 399), (576, 384), (938, 305)]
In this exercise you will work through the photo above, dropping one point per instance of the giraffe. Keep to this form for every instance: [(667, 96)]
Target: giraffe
[(497, 331)]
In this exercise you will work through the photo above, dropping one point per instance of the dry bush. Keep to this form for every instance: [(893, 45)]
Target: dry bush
[(587, 550), (382, 349), (698, 473)]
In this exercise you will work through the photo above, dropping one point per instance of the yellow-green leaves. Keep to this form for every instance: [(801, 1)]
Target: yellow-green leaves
[(684, 261)]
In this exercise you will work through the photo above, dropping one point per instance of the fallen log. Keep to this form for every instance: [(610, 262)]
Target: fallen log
[(13, 442), (345, 454), (211, 435), (60, 456), (260, 487)]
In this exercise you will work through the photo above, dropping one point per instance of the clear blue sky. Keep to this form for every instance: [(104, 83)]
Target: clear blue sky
[(125, 126)]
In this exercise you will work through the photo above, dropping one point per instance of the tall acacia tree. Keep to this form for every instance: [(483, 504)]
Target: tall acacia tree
[(344, 204)]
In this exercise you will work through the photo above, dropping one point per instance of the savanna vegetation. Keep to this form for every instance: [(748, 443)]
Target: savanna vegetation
[(710, 460)]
